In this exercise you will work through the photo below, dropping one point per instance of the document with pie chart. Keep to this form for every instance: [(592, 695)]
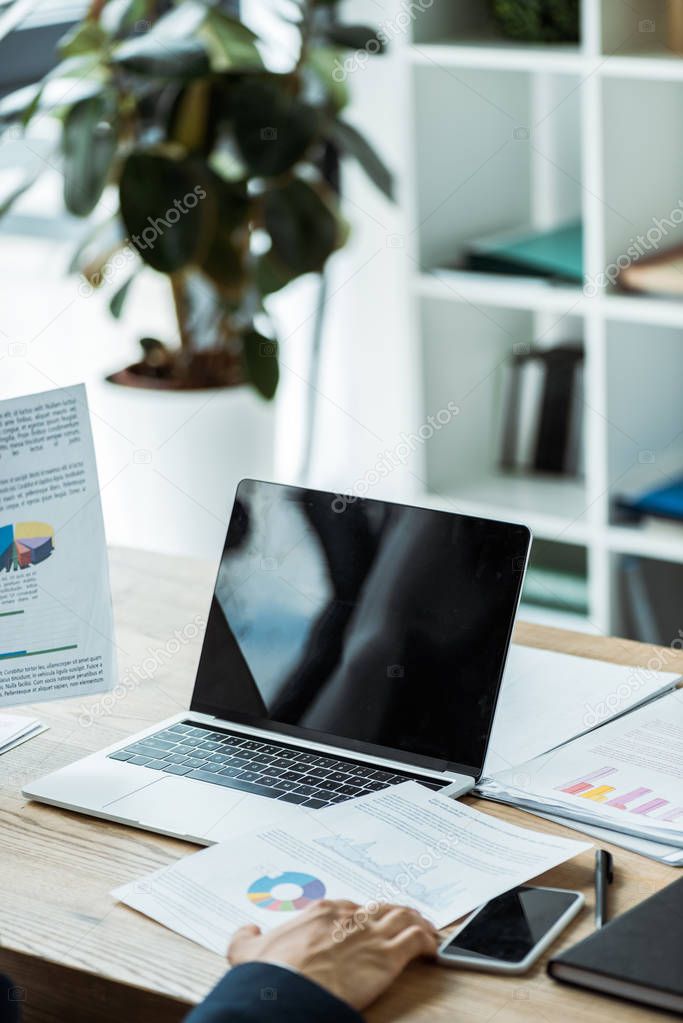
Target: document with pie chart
[(56, 627), (405, 845)]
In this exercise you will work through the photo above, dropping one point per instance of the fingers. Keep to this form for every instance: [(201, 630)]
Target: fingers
[(396, 919), (241, 940), (412, 942), (337, 907)]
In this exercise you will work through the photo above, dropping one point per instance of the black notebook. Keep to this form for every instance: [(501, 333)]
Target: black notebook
[(638, 955)]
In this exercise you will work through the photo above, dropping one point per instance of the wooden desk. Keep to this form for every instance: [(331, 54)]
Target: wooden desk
[(80, 956)]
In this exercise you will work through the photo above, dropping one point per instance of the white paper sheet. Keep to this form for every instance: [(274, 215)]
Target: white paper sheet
[(15, 729), (548, 698), (405, 844), (56, 626), (626, 776), (659, 851)]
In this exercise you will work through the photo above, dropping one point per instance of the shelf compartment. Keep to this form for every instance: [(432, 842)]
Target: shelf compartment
[(465, 349), (471, 23), (647, 599), (636, 28), (644, 416), (509, 156), (642, 212)]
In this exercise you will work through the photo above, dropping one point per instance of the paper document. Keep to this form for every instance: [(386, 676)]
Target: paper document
[(626, 775), (659, 851), (15, 730), (548, 698), (56, 627), (405, 844)]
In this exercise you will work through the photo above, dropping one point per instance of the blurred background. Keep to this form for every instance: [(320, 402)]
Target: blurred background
[(491, 323)]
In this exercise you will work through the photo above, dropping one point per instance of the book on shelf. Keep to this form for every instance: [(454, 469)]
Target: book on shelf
[(661, 502), (556, 590), (542, 404), (554, 254), (661, 274)]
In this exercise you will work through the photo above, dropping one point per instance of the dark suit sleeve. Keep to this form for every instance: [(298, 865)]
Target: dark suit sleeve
[(262, 993), (10, 1001)]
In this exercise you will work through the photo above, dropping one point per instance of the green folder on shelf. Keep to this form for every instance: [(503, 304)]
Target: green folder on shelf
[(555, 253)]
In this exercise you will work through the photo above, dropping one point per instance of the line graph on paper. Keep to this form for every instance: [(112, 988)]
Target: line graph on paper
[(404, 876)]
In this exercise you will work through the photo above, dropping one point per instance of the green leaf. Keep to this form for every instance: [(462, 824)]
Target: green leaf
[(327, 66), (231, 45), (73, 79), (356, 37), (118, 299), (86, 37), (271, 274), (31, 109), (226, 254), (14, 106), (261, 362), (170, 48), (152, 345), (161, 57), (350, 140), (86, 68), (273, 129), (119, 15), (89, 142), (20, 106), (303, 228), (161, 205), (192, 122)]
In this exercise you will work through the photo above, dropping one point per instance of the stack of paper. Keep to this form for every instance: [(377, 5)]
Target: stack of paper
[(15, 730), (404, 844), (548, 698), (625, 778)]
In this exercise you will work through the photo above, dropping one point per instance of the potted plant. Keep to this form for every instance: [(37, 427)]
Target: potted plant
[(217, 168), (217, 164)]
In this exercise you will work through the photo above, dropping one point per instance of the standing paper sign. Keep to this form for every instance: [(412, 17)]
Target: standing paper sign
[(56, 624)]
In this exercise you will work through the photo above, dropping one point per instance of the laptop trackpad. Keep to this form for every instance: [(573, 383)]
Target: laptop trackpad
[(176, 805)]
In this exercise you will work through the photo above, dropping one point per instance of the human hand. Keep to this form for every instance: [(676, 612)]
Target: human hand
[(356, 961)]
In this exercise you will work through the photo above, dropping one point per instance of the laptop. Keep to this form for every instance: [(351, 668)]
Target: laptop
[(351, 644)]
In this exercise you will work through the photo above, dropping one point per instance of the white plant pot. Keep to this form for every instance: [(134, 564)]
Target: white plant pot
[(169, 462)]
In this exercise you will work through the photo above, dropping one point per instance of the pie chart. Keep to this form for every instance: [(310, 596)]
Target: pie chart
[(289, 891), (25, 543)]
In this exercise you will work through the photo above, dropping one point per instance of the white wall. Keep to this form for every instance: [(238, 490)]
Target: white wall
[(369, 396)]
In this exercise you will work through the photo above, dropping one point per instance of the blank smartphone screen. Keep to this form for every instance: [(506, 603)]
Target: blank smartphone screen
[(510, 926)]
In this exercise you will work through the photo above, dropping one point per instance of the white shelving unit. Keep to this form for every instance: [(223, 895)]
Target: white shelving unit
[(500, 135)]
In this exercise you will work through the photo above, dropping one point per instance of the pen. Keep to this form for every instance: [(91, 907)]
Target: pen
[(604, 875)]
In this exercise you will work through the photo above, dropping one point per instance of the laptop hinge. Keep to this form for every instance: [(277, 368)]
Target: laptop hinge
[(400, 766)]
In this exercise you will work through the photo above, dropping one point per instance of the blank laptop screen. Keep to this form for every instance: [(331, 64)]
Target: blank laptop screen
[(361, 622)]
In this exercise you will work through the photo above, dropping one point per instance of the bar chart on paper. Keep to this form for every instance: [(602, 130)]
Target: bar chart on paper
[(602, 786), (27, 632)]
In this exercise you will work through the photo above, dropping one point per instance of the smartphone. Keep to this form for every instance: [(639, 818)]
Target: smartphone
[(508, 934)]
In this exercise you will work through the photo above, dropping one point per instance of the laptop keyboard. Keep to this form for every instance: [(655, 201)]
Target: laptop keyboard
[(258, 766)]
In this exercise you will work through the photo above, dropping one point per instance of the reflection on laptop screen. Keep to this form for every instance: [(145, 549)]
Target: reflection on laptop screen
[(361, 620)]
